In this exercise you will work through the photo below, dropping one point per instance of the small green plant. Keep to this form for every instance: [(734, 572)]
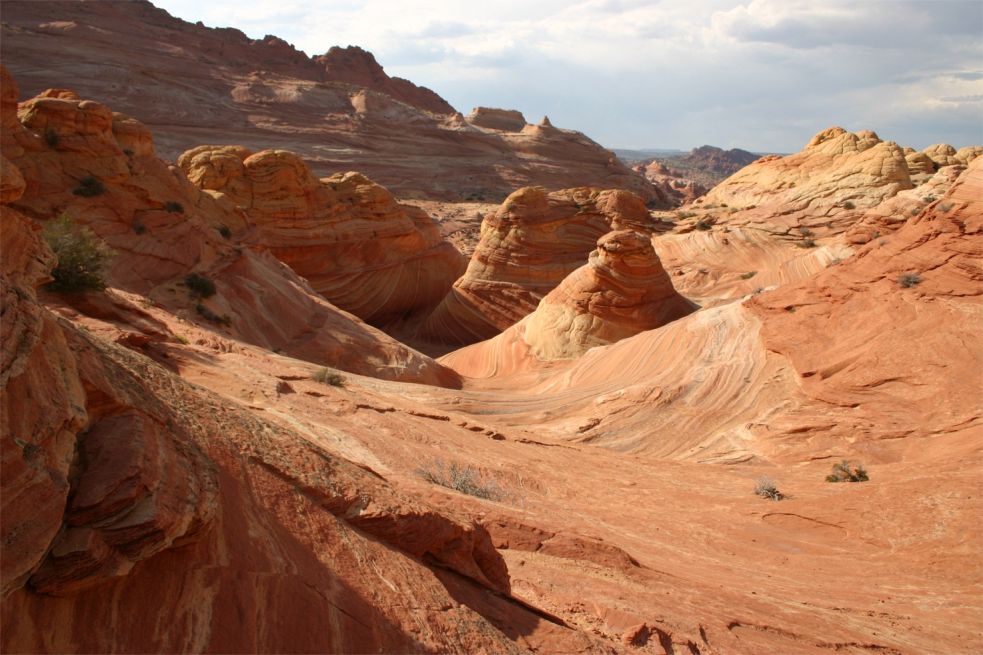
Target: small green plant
[(174, 207), (928, 198), (327, 376), (849, 204), (82, 257), (945, 207), (181, 339), (225, 231), (51, 137), (748, 275), (845, 471), (199, 286), (465, 479), (209, 315), (908, 280), (685, 215), (705, 224), (88, 187), (806, 243), (766, 488)]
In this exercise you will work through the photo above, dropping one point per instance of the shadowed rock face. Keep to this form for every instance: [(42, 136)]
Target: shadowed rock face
[(621, 291), (356, 245), (527, 247), (339, 111)]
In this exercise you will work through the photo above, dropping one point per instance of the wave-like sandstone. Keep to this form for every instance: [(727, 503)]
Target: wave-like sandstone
[(534, 240), (835, 359), (823, 185), (621, 291), (162, 229), (354, 243)]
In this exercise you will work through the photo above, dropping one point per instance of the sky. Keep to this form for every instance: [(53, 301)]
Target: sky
[(763, 75)]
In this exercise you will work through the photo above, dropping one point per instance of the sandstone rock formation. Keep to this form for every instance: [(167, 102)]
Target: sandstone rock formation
[(156, 464), (677, 189), (339, 111), (355, 66), (79, 159), (621, 291), (836, 174), (527, 247), (356, 245)]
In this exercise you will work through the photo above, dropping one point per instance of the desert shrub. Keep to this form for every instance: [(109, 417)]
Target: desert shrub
[(766, 488), (945, 207), (845, 471), (82, 257), (748, 275), (51, 137), (704, 224), (806, 243), (327, 376), (199, 286), (209, 315), (225, 231), (465, 479), (908, 280), (174, 207), (685, 215), (88, 187), (849, 204), (928, 198)]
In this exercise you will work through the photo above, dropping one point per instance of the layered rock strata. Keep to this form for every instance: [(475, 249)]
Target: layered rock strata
[(534, 240)]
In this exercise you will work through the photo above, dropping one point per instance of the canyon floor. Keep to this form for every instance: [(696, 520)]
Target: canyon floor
[(305, 411)]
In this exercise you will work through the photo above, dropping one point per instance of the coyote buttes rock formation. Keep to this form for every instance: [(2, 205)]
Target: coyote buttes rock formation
[(621, 291), (340, 111), (823, 186), (162, 228), (355, 244), (527, 247)]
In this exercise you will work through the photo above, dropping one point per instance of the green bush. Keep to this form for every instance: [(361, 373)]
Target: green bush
[(849, 205), (82, 257), (705, 224), (908, 280), (200, 286), (766, 488), (327, 376), (845, 471), (88, 187), (465, 479)]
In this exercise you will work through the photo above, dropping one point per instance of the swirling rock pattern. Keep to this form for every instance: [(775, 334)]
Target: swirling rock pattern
[(534, 240), (356, 245), (621, 291)]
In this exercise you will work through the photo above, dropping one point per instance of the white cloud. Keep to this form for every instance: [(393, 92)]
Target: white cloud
[(759, 74)]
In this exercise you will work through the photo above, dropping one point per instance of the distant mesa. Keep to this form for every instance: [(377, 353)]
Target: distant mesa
[(533, 241), (354, 65), (339, 111), (506, 120)]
